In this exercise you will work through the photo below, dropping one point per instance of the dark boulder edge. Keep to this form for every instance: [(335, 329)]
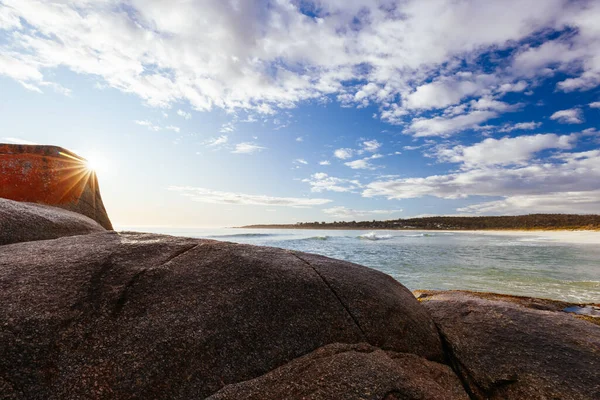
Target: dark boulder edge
[(513, 347)]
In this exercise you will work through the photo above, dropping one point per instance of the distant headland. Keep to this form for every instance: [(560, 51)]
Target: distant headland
[(517, 222)]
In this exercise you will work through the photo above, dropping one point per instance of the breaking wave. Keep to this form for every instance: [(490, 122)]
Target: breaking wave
[(374, 236)]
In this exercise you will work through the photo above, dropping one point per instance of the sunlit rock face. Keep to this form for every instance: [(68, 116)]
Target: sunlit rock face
[(51, 175)]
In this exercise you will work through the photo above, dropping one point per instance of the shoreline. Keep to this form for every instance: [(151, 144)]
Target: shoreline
[(554, 235)]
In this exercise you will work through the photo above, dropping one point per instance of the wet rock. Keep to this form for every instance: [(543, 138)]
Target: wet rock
[(23, 222), (505, 347), (351, 372), (110, 315), (51, 175)]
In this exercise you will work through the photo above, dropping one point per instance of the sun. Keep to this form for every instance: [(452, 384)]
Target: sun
[(97, 163)]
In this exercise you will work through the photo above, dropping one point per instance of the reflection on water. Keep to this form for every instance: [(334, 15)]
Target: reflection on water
[(440, 260)]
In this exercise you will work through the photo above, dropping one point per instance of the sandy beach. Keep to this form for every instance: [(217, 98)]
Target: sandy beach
[(581, 237)]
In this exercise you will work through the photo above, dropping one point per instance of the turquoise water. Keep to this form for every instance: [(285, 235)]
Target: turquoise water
[(516, 264)]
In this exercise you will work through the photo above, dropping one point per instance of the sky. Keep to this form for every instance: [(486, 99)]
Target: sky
[(229, 112)]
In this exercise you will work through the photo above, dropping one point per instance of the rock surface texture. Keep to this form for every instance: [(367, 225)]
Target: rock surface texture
[(351, 372), (507, 347), (51, 175), (24, 222), (123, 316), (95, 314)]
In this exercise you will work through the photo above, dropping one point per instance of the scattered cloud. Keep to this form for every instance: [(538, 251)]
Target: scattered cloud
[(184, 114), (363, 163), (173, 128), (300, 161), (324, 162), (227, 127), (349, 213), (148, 125), (505, 151), (299, 139), (247, 148), (521, 126), (217, 197), (371, 145), (416, 63), (570, 172), (570, 116), (513, 87), (442, 126), (343, 154), (587, 202), (321, 182), (447, 91), (409, 57), (216, 142)]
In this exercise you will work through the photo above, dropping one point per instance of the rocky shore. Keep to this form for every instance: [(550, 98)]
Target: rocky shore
[(86, 312)]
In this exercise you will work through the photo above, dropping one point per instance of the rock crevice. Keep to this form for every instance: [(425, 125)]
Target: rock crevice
[(332, 291)]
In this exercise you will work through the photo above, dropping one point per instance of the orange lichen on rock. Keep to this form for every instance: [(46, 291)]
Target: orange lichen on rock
[(51, 175)]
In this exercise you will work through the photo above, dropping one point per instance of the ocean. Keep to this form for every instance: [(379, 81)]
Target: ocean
[(517, 264)]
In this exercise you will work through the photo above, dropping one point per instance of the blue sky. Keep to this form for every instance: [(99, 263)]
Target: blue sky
[(222, 113)]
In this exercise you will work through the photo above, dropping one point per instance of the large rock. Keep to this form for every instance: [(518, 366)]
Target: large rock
[(110, 315), (24, 222), (351, 372), (507, 347), (51, 175)]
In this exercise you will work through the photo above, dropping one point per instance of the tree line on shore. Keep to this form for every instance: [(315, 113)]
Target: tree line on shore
[(524, 222)]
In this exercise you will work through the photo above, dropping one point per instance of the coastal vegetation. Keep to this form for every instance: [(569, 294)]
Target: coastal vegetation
[(517, 222)]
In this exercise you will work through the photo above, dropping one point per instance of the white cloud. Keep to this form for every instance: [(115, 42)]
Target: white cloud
[(363, 163), (325, 162), (447, 91), (488, 103), (570, 116), (299, 139), (595, 104), (17, 140), (267, 58), (512, 87), (217, 197), (247, 148), (184, 114), (218, 141), (300, 161), (371, 145), (343, 154), (563, 202), (441, 126), (9, 19), (227, 127), (31, 87), (148, 125), (505, 151), (321, 182), (572, 172), (349, 213), (173, 128), (521, 126)]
